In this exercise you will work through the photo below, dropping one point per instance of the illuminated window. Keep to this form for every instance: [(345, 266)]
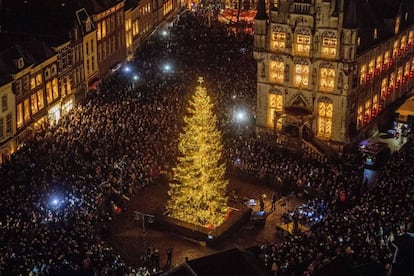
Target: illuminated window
[(301, 75), (26, 110), (277, 71), (386, 56), (407, 69), (19, 115), (379, 62), (411, 37), (33, 100), (38, 79), (367, 111), (371, 66), (40, 100), (392, 79), (327, 79), (68, 86), (360, 117), (49, 95), (32, 83), (303, 44), (135, 28), (99, 31), (275, 105), (400, 74), (397, 25), (328, 47), (362, 74), (278, 41), (55, 88), (384, 85), (403, 41), (325, 113), (374, 110), (103, 28), (395, 48), (375, 33)]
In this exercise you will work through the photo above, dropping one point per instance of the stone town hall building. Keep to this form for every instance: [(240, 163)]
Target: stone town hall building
[(328, 70)]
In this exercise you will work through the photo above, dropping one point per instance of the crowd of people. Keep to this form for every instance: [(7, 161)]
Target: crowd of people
[(363, 234), (59, 192)]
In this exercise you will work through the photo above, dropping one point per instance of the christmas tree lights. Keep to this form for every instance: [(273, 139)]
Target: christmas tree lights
[(198, 189)]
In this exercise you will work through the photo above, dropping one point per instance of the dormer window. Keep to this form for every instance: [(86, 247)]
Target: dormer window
[(20, 63), (88, 24), (375, 33), (397, 25)]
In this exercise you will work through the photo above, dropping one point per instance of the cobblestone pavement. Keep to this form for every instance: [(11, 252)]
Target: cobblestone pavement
[(128, 238)]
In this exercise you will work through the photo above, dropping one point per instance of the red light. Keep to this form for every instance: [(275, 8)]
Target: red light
[(399, 52), (389, 89), (404, 80), (391, 62), (384, 66), (376, 73), (411, 74), (397, 84)]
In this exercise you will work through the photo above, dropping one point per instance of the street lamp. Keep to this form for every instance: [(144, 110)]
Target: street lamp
[(145, 218)]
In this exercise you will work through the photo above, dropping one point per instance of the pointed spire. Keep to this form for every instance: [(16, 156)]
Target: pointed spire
[(261, 10), (350, 18)]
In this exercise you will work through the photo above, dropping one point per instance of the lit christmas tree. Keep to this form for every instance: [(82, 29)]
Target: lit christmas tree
[(197, 192)]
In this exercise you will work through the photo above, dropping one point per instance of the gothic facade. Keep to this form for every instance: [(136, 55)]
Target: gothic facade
[(331, 67)]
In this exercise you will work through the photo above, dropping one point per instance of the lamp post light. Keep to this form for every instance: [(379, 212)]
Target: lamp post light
[(144, 218)]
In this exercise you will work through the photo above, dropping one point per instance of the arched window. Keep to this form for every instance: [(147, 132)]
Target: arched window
[(278, 39), (329, 45), (277, 70), (275, 104), (301, 73), (326, 77), (325, 114), (302, 42)]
